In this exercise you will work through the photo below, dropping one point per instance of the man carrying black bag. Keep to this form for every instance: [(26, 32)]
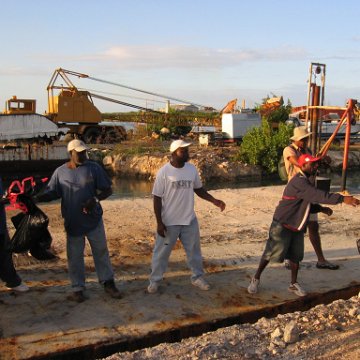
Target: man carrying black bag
[(82, 184)]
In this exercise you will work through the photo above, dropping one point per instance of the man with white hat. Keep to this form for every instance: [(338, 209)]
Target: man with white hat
[(82, 184), (291, 155), (173, 193)]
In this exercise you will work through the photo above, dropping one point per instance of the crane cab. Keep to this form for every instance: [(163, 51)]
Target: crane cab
[(73, 106), (20, 106)]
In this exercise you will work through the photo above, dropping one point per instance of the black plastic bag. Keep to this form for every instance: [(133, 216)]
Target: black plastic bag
[(21, 241), (40, 249), (32, 233)]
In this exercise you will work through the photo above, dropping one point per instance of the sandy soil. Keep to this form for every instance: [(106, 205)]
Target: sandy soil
[(232, 237)]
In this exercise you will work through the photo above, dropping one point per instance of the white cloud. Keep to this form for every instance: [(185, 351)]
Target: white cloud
[(190, 57)]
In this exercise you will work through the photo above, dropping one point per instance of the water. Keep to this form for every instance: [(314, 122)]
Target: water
[(131, 188)]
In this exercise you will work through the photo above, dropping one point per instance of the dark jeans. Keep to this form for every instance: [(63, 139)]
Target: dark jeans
[(7, 271)]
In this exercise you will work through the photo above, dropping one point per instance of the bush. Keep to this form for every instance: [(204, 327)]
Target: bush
[(264, 146)]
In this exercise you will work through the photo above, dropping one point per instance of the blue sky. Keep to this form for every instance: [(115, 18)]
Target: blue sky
[(204, 51)]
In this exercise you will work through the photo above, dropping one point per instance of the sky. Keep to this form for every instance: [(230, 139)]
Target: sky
[(206, 52)]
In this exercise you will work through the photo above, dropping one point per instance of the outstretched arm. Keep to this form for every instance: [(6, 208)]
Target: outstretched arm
[(201, 192)]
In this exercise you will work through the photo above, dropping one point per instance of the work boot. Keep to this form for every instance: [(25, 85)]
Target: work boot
[(77, 296), (111, 289)]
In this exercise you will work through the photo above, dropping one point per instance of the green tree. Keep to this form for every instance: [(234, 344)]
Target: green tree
[(264, 145)]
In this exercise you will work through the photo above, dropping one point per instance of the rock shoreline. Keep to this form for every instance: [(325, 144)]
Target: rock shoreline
[(212, 164)]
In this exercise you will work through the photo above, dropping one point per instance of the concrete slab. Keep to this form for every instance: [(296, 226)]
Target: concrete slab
[(44, 324)]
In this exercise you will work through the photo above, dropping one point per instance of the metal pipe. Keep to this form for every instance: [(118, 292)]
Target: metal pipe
[(323, 85), (314, 118), (347, 144), (308, 96), (328, 143)]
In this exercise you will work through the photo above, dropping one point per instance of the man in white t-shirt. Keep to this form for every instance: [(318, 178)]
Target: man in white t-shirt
[(173, 193)]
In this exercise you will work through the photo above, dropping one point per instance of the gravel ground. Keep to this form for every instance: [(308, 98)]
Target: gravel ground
[(324, 332)]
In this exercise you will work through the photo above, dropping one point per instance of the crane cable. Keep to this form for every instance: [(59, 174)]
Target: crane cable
[(145, 92), (123, 103)]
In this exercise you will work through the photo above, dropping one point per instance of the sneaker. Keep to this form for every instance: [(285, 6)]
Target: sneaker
[(201, 284), (20, 288), (297, 290), (287, 264), (253, 287), (153, 287), (111, 289), (77, 296)]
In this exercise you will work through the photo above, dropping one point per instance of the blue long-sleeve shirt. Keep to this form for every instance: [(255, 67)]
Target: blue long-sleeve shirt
[(75, 187)]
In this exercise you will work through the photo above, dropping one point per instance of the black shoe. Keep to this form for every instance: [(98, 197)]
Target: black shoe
[(110, 288), (77, 296)]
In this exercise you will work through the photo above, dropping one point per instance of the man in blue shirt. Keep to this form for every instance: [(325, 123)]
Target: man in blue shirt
[(7, 271), (82, 184)]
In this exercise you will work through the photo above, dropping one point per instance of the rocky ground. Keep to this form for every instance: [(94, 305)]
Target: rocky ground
[(329, 332)]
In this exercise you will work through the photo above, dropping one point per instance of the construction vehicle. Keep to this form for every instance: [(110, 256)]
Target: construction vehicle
[(70, 111), (74, 109)]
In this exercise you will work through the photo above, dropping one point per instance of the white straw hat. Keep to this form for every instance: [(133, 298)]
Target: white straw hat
[(300, 133)]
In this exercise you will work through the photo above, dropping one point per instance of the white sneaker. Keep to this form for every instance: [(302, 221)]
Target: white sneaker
[(20, 288), (253, 287), (297, 290), (153, 287), (201, 284)]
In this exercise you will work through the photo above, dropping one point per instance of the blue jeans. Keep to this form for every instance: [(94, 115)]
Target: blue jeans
[(75, 254), (189, 235)]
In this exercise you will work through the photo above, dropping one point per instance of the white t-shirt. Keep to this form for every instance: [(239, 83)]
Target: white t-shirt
[(176, 187)]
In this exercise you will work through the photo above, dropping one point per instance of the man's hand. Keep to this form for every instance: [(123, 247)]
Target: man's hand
[(161, 229), (89, 205), (4, 201), (220, 204), (350, 200), (327, 211)]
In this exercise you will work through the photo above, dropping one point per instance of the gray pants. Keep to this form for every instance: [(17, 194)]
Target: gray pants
[(189, 236), (75, 254)]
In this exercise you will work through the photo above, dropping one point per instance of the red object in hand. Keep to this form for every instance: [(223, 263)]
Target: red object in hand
[(12, 194)]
